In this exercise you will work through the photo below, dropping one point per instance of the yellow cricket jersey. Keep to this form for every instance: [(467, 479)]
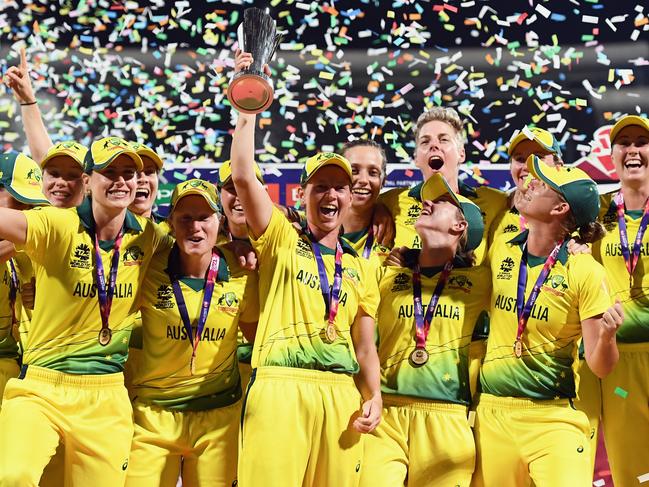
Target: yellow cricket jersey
[(164, 378), (634, 296), (378, 253), (507, 225), (63, 334), (445, 377), (575, 289), (9, 348), (292, 319), (405, 206)]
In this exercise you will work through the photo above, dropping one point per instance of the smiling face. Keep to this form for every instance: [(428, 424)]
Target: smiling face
[(518, 160), (63, 183), (439, 150), (328, 198), (232, 208), (147, 188), (114, 186), (630, 154), (368, 176), (540, 202), (440, 222), (195, 225)]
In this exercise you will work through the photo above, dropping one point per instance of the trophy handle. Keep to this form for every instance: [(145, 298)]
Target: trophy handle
[(251, 91)]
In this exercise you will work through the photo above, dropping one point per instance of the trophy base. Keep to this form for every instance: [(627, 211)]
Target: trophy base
[(250, 91)]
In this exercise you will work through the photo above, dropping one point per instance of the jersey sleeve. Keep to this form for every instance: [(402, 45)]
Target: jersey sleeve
[(594, 288), (45, 227), (369, 297), (278, 233)]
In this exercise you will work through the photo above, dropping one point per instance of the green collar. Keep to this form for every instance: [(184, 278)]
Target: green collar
[(465, 190), (173, 266), (324, 250), (354, 237), (84, 210), (534, 260)]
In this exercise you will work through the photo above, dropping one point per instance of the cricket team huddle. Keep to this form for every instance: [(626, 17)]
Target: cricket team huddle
[(437, 335)]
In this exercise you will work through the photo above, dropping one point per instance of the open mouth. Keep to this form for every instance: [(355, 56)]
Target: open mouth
[(237, 208), (435, 163), (142, 194), (328, 210), (361, 191), (118, 193), (195, 239), (633, 164), (60, 194)]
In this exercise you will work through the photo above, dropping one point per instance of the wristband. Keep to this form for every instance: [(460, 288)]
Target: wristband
[(30, 103)]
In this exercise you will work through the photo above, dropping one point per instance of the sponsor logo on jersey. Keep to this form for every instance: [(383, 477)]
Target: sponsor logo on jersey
[(133, 255), (506, 268), (460, 282), (164, 297), (80, 258), (511, 228), (228, 302), (401, 282)]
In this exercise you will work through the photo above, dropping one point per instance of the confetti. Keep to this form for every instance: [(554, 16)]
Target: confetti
[(621, 392), (643, 478)]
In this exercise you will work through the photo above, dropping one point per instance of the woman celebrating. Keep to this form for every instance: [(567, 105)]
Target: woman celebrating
[(90, 261), (425, 436), (302, 414), (543, 301), (187, 405)]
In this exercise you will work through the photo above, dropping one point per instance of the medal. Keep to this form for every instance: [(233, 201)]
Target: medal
[(418, 357), (630, 256), (330, 333), (331, 296), (105, 292), (105, 335), (422, 323), (524, 308), (194, 339)]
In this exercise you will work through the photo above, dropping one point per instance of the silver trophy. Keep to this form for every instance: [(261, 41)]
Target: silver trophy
[(251, 90)]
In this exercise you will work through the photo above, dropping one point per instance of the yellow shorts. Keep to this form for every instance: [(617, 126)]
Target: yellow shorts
[(297, 429), (91, 414), (519, 440), (590, 402), (200, 446), (625, 414), (9, 369), (429, 443)]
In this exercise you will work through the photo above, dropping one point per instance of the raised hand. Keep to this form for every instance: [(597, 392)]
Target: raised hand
[(17, 79)]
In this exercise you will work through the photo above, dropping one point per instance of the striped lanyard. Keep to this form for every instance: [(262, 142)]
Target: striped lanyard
[(331, 296), (422, 323), (105, 293), (205, 307), (523, 307), (630, 257), (369, 243)]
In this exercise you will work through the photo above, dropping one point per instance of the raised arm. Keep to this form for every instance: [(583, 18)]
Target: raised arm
[(257, 205), (18, 80), (600, 347)]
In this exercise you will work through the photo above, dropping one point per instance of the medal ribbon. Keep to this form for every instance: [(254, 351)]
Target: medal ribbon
[(205, 306), (422, 323), (630, 259), (13, 292), (331, 296), (104, 294), (524, 308), (369, 243)]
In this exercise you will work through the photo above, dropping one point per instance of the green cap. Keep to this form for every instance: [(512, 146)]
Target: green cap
[(322, 159), (22, 178), (542, 137), (104, 151), (576, 187), (436, 186), (196, 186)]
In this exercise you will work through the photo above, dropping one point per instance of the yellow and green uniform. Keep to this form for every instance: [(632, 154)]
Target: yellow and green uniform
[(531, 396), (507, 225), (10, 353), (378, 253), (405, 206), (302, 393), (64, 365), (165, 387), (424, 435), (625, 391)]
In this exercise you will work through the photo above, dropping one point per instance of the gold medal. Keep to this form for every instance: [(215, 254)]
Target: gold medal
[(105, 336), (418, 357), (330, 333), (518, 348)]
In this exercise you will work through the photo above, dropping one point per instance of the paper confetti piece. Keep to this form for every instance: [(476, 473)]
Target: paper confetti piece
[(621, 392), (643, 478)]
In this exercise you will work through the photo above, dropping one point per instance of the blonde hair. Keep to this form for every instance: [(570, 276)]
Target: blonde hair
[(446, 115)]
